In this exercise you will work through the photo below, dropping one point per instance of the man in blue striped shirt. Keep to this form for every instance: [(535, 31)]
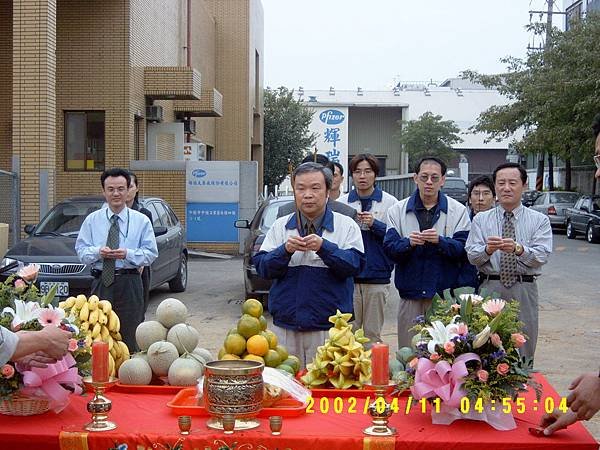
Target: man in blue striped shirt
[(509, 244), (117, 242)]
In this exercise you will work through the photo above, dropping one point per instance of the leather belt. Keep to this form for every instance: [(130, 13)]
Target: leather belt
[(98, 273), (520, 278)]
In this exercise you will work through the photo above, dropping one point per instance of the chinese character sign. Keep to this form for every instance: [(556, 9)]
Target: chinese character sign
[(331, 127)]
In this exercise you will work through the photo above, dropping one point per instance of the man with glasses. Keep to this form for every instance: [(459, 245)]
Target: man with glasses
[(372, 284), (116, 242), (425, 237)]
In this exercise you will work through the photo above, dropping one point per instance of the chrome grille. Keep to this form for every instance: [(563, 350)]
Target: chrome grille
[(61, 269)]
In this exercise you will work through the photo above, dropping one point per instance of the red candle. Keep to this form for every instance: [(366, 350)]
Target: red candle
[(380, 364), (100, 361)]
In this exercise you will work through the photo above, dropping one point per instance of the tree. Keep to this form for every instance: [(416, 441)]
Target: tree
[(428, 136), (555, 96), (286, 134)]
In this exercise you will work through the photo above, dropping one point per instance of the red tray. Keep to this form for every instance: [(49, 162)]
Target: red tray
[(185, 403), (148, 389)]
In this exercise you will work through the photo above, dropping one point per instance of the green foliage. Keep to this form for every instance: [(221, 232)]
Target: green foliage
[(429, 135), (555, 94), (286, 134)]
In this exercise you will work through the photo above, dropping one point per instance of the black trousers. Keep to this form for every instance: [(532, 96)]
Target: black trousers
[(146, 286), (127, 297)]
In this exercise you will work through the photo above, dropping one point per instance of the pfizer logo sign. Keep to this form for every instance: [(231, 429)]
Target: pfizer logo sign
[(331, 117), (199, 173)]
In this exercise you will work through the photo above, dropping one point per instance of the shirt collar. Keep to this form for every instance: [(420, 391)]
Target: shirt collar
[(376, 195), (326, 220), (414, 202), (516, 212), (122, 215)]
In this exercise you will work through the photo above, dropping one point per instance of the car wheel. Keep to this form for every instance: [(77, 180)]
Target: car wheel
[(589, 234), (570, 231), (179, 283)]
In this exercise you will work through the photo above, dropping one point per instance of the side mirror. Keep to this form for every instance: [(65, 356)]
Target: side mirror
[(29, 229), (242, 224), (159, 231)]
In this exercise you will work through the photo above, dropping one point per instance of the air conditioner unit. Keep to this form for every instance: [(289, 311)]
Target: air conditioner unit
[(189, 126), (154, 113)]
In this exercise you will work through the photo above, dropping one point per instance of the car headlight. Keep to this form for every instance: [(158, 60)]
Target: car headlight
[(9, 265)]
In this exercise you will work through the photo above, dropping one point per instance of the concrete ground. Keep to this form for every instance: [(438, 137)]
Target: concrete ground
[(569, 335)]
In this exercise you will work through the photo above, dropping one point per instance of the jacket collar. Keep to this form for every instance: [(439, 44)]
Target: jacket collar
[(415, 202), (376, 195), (326, 224)]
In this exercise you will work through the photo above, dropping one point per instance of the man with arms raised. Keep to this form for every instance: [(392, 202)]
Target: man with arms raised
[(311, 255), (372, 284), (425, 237), (117, 241), (509, 244)]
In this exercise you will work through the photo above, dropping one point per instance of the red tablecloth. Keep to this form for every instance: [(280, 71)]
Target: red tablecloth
[(144, 421)]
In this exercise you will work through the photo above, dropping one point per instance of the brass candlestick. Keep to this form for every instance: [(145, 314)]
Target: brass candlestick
[(99, 406), (380, 410)]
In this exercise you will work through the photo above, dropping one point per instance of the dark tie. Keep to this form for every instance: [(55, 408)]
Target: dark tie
[(310, 228), (108, 266), (508, 261)]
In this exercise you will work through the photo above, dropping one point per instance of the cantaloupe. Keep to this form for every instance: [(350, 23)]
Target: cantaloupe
[(171, 312), (147, 333), (161, 355), (135, 371), (184, 337), (185, 371), (142, 355), (204, 354)]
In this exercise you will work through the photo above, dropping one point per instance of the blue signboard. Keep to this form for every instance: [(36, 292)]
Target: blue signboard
[(211, 222)]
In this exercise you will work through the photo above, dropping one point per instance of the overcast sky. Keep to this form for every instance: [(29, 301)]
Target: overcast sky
[(370, 43)]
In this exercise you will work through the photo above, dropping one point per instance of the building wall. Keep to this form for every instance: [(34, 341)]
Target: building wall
[(483, 162), (372, 130), (6, 7), (93, 74)]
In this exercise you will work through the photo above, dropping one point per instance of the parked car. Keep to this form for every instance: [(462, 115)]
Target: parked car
[(584, 218), (257, 287), (51, 244), (528, 197), (553, 204), (456, 188)]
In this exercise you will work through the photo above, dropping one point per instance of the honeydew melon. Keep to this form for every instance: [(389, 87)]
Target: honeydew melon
[(135, 371), (184, 337), (147, 333), (171, 312), (161, 355), (185, 371)]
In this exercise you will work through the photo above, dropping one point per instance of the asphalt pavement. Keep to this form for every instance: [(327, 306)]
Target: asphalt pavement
[(569, 335)]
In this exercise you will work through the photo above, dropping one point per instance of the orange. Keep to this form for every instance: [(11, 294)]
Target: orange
[(254, 358), (252, 307), (235, 344), (272, 358), (271, 337), (283, 353), (229, 356), (263, 323), (257, 345), (248, 326)]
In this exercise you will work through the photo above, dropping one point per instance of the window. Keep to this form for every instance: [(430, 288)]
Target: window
[(564, 197), (84, 140), (155, 218), (540, 200), (162, 213), (172, 215)]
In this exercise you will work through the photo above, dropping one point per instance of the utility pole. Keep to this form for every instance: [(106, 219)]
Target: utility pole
[(547, 45)]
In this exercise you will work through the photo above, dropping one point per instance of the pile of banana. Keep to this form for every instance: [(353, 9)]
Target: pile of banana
[(99, 322), (342, 362)]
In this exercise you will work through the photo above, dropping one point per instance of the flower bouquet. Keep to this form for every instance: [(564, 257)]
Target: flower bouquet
[(26, 387), (467, 357)]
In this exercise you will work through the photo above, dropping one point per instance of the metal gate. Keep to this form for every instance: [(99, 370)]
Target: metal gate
[(10, 211)]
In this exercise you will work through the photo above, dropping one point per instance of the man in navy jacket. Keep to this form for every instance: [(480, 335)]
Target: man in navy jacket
[(312, 256), (425, 237)]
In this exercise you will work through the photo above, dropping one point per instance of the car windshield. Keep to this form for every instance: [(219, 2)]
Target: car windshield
[(66, 218), (454, 184), (270, 214), (564, 197)]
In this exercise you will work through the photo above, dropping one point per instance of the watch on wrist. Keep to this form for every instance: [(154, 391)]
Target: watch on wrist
[(518, 249)]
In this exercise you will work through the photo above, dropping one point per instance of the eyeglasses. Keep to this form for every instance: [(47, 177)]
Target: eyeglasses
[(481, 194), (597, 161), (366, 172), (434, 178)]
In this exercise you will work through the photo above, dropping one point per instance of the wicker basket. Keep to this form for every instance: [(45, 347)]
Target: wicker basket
[(21, 405)]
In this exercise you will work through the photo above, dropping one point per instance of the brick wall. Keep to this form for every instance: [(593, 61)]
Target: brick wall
[(165, 147), (34, 100), (168, 185), (6, 84)]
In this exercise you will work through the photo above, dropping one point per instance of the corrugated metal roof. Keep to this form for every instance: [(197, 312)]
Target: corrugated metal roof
[(462, 106)]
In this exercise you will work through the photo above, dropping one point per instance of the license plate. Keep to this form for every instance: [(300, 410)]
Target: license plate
[(62, 288)]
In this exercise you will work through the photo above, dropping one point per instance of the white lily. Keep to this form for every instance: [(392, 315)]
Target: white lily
[(482, 337), (23, 312), (475, 299), (440, 334)]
